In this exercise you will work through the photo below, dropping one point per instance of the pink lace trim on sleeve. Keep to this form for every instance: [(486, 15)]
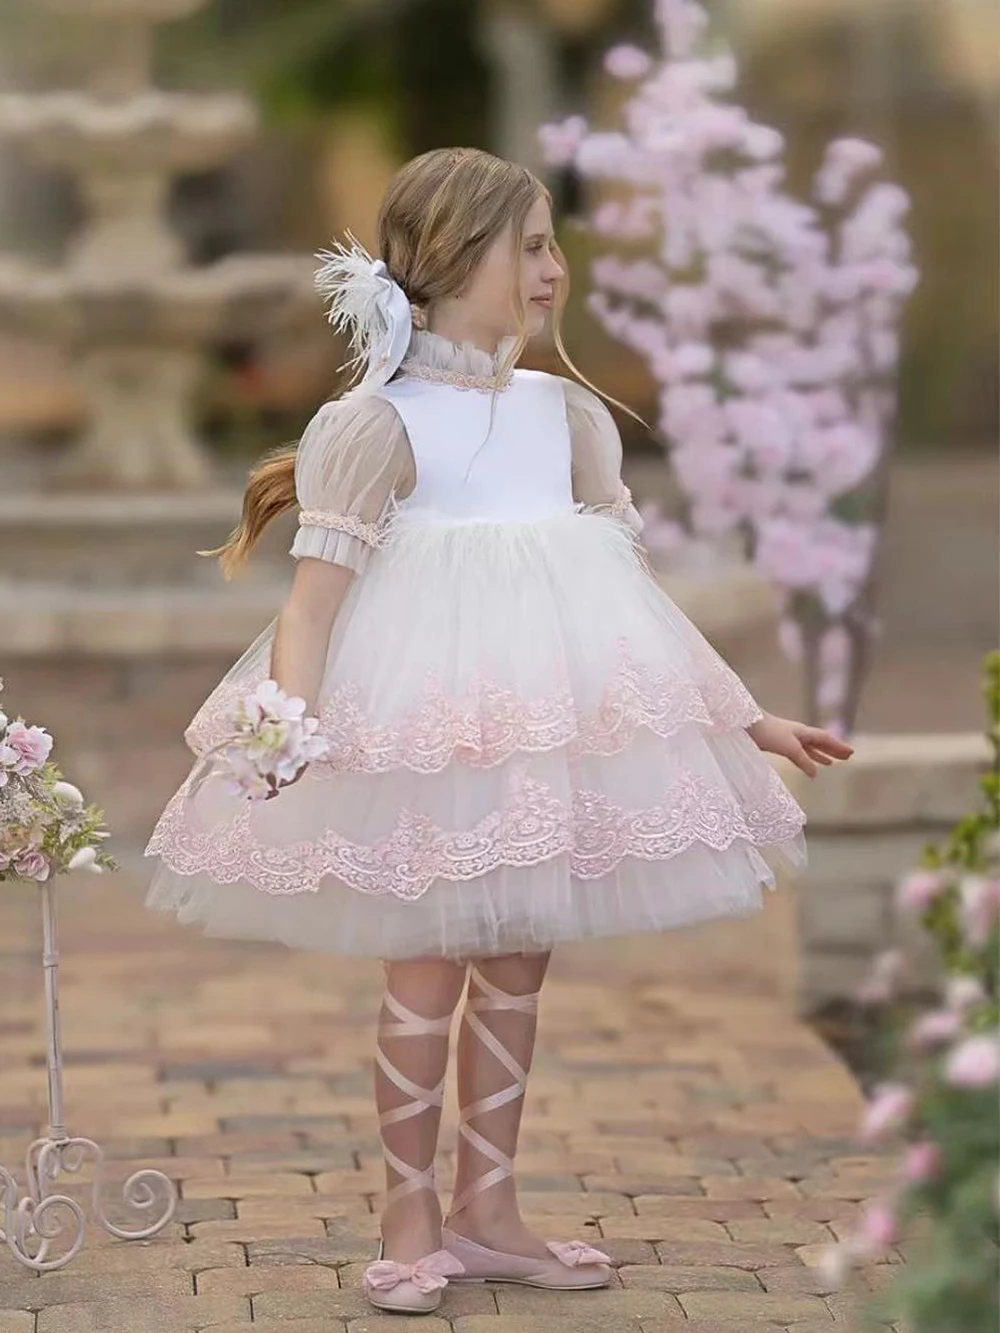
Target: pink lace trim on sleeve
[(622, 503), (616, 508), (533, 826), (371, 533)]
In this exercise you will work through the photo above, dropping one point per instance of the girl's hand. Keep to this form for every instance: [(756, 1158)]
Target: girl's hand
[(805, 746), (285, 782)]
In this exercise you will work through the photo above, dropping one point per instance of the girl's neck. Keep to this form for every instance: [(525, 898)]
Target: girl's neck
[(433, 355), (464, 333)]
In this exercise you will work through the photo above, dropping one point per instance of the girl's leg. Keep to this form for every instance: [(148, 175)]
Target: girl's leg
[(495, 1047), (410, 1064)]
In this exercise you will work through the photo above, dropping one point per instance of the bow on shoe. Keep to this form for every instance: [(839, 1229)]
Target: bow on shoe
[(426, 1274), (575, 1252)]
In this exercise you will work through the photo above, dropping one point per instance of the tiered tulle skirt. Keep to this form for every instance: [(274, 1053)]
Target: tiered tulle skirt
[(529, 743)]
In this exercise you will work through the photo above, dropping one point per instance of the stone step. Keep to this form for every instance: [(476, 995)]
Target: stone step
[(129, 541), (46, 616), (47, 619)]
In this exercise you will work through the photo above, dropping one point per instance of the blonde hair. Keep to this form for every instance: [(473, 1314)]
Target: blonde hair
[(439, 216)]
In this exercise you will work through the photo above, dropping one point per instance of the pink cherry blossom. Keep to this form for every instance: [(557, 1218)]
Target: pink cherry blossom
[(627, 62), (770, 323), (974, 1063), (790, 638), (845, 160), (835, 647), (889, 1108), (682, 22), (560, 142)]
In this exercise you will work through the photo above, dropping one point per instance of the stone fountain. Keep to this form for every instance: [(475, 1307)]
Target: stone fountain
[(103, 598), (132, 314)]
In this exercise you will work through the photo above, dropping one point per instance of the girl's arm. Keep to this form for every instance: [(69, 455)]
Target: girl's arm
[(302, 633), (352, 457)]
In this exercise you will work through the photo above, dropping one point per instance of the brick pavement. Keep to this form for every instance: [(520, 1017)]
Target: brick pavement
[(698, 1133)]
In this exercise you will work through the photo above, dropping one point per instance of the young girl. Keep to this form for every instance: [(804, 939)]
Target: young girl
[(529, 742)]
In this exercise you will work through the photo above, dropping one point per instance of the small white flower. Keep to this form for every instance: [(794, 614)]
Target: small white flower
[(68, 795), (83, 859)]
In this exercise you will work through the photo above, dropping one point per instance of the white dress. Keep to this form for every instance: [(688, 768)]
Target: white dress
[(529, 741)]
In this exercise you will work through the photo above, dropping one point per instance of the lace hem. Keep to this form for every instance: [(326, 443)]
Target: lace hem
[(533, 826), (490, 722)]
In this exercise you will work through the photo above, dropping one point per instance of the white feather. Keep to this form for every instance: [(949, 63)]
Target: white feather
[(346, 279)]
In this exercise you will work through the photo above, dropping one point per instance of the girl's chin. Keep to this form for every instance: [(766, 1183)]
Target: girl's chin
[(534, 320)]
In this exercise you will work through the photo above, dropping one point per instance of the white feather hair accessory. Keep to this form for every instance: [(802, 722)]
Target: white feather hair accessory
[(367, 304)]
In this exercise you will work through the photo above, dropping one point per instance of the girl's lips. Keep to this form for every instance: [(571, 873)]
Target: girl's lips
[(542, 300)]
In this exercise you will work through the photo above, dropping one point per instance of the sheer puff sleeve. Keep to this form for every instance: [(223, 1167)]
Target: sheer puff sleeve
[(597, 457), (352, 458)]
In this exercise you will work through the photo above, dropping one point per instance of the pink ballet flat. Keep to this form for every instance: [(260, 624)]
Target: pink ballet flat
[(576, 1264), (414, 1288)]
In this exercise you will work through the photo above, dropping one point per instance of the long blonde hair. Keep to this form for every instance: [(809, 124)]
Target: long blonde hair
[(439, 216)]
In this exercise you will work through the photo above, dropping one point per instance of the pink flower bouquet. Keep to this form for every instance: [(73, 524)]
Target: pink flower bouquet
[(271, 741), (45, 827)]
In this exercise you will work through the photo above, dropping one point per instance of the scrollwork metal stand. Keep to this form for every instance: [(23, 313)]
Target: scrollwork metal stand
[(34, 1223)]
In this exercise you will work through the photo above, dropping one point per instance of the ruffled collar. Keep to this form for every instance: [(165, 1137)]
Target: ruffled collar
[(463, 364)]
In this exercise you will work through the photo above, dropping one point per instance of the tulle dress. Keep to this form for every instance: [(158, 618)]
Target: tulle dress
[(529, 741)]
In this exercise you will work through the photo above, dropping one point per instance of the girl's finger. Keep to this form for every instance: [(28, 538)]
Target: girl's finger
[(828, 741), (817, 753)]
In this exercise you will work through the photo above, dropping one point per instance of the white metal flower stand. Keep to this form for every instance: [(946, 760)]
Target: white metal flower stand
[(33, 1224)]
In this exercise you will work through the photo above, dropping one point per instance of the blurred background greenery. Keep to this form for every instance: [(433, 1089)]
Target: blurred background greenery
[(348, 89)]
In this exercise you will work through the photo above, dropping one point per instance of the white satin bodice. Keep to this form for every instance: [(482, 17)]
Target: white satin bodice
[(517, 467)]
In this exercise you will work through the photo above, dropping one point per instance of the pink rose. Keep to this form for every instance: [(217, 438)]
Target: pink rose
[(921, 1162), (979, 908), (878, 1227), (933, 1029), (964, 992), (32, 864), (889, 1108), (915, 892), (25, 748), (974, 1063)]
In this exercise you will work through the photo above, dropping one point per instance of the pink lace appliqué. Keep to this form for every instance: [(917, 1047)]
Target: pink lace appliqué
[(489, 722), (533, 826)]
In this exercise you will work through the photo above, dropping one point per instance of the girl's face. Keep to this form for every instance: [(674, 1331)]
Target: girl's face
[(488, 295)]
